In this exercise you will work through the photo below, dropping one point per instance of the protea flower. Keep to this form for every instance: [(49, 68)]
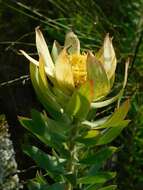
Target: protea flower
[(69, 84), (68, 68)]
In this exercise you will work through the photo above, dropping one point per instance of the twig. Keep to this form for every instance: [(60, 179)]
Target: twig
[(23, 78)]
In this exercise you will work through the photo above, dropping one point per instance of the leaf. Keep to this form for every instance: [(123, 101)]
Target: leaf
[(63, 72), (56, 126), (32, 60), (107, 57), (101, 177), (91, 187), (118, 116), (79, 104), (106, 102), (123, 123), (44, 130), (99, 157), (43, 51), (40, 178), (47, 126), (110, 187), (74, 104), (106, 136), (72, 43), (41, 134), (33, 185), (110, 134), (97, 77), (97, 123), (56, 186), (44, 95), (110, 60), (56, 49), (61, 97), (91, 134), (88, 141), (44, 160), (42, 75), (71, 178)]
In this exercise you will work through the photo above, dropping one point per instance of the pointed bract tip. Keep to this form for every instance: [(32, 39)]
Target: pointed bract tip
[(37, 28)]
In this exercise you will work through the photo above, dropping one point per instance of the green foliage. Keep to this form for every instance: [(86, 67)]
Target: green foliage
[(98, 178)]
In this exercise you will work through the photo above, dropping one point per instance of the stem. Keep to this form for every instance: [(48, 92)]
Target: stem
[(71, 169)]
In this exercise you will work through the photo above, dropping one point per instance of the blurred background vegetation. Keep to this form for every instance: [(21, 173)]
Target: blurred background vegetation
[(90, 20)]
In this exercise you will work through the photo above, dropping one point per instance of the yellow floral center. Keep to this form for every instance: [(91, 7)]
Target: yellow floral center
[(78, 63)]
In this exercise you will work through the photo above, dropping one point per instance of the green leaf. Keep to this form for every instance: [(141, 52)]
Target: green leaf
[(73, 105), (56, 186), (61, 97), (110, 134), (91, 134), (97, 77), (101, 177), (41, 134), (123, 123), (45, 96), (71, 178), (118, 116), (110, 187), (45, 131), (89, 138), (99, 157), (33, 185), (92, 187), (104, 137), (79, 104), (48, 126), (40, 178), (87, 141), (44, 160)]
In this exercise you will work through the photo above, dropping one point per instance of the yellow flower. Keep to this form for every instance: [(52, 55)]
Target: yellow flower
[(68, 68)]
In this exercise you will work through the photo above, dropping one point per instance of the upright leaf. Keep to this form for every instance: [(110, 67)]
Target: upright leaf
[(56, 49), (45, 97), (98, 77), (79, 104), (63, 72), (43, 51), (72, 43)]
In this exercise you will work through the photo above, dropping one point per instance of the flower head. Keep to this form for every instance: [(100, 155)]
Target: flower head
[(69, 69)]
